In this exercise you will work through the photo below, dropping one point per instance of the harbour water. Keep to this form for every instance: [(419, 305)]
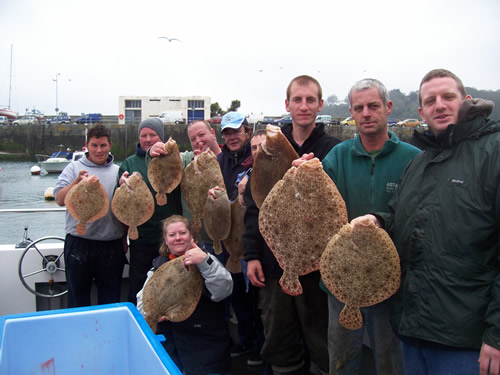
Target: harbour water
[(19, 189)]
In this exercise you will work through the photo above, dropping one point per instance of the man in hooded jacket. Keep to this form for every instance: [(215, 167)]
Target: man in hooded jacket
[(444, 220)]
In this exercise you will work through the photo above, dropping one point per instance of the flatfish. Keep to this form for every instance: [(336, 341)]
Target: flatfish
[(297, 219), (360, 266), (165, 172), (133, 204), (217, 217), (273, 159), (87, 201), (234, 241), (173, 292), (202, 174)]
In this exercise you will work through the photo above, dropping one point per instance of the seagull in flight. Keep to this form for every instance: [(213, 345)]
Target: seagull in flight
[(169, 39)]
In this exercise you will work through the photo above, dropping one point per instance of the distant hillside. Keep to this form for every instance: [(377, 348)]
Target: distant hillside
[(406, 106)]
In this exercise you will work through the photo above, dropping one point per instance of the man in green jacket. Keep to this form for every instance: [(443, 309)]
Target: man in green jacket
[(144, 249), (444, 220), (366, 170)]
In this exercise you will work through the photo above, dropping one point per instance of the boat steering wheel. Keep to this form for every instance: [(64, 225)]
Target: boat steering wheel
[(50, 265)]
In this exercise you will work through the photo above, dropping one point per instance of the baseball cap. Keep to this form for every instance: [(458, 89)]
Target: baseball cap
[(233, 120)]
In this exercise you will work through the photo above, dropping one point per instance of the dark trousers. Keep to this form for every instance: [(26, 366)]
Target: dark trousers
[(141, 261), (243, 307), (295, 327), (88, 260)]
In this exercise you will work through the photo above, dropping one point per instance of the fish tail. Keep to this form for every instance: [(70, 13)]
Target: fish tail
[(133, 234), (233, 264), (351, 318), (161, 199), (81, 228), (217, 247), (290, 284)]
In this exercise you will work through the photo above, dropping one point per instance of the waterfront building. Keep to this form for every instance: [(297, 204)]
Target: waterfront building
[(134, 109)]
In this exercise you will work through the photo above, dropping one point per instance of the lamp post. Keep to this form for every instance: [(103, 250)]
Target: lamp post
[(56, 80)]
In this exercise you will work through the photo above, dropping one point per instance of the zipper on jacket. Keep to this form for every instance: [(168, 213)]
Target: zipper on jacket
[(372, 167)]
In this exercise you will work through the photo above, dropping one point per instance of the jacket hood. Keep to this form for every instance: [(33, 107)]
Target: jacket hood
[(139, 151), (472, 123), (86, 161)]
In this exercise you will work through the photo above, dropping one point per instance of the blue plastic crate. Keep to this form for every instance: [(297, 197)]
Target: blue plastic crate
[(105, 339)]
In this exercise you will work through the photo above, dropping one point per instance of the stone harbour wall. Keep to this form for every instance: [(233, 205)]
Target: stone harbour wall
[(23, 142)]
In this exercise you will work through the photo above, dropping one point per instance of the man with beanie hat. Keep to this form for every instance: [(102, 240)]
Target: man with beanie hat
[(144, 249), (153, 124)]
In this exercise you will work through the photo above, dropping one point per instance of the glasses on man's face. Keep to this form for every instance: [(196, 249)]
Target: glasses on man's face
[(228, 135)]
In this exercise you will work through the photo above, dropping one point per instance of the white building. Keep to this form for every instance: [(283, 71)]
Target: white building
[(134, 109)]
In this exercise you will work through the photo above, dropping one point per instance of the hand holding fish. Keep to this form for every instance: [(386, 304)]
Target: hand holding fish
[(302, 159), (157, 149), (362, 219)]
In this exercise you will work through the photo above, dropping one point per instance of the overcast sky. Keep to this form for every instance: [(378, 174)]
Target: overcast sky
[(245, 50)]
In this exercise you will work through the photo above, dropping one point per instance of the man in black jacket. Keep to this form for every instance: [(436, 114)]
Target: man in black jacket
[(295, 327)]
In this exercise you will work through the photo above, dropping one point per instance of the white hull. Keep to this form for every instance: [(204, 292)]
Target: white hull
[(11, 115), (54, 165)]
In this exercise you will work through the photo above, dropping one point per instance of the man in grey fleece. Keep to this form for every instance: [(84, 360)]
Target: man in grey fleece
[(100, 253)]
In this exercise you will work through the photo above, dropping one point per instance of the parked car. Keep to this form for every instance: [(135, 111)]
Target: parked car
[(283, 121), (25, 120), (254, 118), (266, 120), (214, 120), (172, 117), (4, 120), (61, 118), (89, 118), (323, 119), (348, 121), (409, 123), (392, 122)]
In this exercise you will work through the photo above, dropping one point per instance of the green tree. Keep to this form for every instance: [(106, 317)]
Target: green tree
[(215, 110), (235, 104)]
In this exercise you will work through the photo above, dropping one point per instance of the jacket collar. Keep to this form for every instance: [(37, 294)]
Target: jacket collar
[(389, 145)]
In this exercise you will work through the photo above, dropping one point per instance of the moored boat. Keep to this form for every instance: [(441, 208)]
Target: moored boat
[(11, 115), (56, 162)]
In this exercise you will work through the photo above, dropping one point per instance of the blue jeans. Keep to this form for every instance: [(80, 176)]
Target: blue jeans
[(424, 360)]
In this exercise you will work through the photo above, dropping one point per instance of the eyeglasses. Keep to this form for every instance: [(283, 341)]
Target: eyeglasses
[(232, 135)]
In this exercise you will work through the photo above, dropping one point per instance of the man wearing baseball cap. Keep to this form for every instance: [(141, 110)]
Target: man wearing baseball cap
[(235, 158)]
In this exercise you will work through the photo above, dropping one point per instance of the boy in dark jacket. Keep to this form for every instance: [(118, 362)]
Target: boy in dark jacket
[(295, 328)]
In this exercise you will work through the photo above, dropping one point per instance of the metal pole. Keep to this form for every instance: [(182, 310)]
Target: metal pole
[(56, 81), (10, 81)]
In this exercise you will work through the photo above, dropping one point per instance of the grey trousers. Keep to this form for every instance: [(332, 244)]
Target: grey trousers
[(345, 346)]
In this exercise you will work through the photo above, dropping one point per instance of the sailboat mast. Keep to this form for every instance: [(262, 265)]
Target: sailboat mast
[(10, 80)]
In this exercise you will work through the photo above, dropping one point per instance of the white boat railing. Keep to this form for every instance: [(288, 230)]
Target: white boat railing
[(32, 210)]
